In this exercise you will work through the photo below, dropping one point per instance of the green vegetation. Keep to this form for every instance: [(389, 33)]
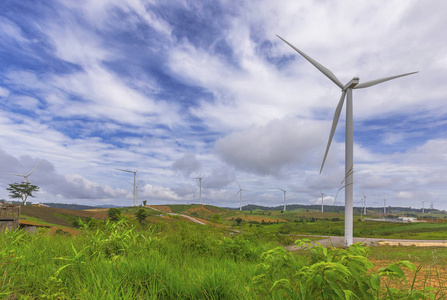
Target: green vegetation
[(166, 257), (126, 260), (114, 214)]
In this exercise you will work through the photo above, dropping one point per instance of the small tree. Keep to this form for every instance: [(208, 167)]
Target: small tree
[(144, 202), (141, 215), (114, 214), (22, 191)]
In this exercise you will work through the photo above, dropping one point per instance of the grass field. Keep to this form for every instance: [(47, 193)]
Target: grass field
[(168, 257)]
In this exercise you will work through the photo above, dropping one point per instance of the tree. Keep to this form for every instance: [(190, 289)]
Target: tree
[(114, 214), (22, 191), (144, 202), (141, 215)]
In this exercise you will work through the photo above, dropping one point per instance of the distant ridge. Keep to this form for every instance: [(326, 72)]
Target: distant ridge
[(77, 206)]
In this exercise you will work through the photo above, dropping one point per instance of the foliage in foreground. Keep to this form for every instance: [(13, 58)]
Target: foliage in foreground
[(335, 274), (118, 260)]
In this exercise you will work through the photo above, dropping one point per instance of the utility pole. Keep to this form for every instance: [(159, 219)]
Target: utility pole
[(384, 207)]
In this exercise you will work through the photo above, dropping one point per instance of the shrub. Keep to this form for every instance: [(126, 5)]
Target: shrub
[(331, 274)]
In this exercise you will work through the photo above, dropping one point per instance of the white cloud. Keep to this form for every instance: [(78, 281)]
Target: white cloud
[(4, 92), (267, 150), (187, 164)]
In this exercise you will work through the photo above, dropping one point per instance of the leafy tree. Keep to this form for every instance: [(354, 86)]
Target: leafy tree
[(141, 215), (22, 191), (114, 214), (238, 221), (144, 202)]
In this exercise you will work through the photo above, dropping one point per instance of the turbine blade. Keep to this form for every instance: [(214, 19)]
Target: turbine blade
[(377, 81), (334, 126), (124, 170), (237, 193), (238, 184), (317, 65), (35, 168), (16, 174)]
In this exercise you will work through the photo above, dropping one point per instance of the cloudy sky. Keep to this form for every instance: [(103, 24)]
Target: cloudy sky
[(182, 89)]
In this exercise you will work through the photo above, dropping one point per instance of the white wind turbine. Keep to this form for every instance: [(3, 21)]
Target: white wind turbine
[(322, 201), (240, 195), (284, 191), (135, 188), (26, 176), (349, 135), (200, 189)]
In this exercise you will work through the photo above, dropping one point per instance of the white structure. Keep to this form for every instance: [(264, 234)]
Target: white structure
[(135, 188), (240, 195), (406, 219), (364, 204), (322, 201), (349, 139), (200, 188), (26, 176), (284, 191)]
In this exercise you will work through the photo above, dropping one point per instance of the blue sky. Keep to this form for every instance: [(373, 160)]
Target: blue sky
[(181, 89)]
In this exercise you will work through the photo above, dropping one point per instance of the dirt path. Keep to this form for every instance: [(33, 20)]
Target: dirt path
[(338, 241), (181, 215)]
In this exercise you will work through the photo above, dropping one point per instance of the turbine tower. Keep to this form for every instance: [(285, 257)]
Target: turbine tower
[(364, 204), (200, 191), (240, 195), (349, 136), (135, 189), (26, 176), (322, 201), (285, 207)]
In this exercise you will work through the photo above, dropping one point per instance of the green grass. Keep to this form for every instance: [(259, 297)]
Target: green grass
[(181, 260)]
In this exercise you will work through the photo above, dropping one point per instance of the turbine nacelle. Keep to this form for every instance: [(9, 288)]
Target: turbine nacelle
[(351, 84)]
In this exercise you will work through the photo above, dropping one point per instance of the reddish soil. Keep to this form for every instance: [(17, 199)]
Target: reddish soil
[(162, 208), (428, 276), (257, 218)]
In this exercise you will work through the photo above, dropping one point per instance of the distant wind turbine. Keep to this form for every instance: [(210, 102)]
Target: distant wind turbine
[(349, 136), (135, 188), (364, 204), (240, 195), (200, 192), (26, 177), (284, 191), (322, 201)]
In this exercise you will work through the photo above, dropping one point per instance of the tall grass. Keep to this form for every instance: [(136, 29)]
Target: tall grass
[(118, 260)]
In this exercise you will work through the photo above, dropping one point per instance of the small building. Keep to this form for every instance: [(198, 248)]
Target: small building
[(407, 219)]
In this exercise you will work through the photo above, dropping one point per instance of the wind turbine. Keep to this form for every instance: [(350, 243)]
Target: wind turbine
[(364, 204), (240, 195), (200, 192), (349, 136), (25, 177), (284, 197), (322, 201), (135, 188)]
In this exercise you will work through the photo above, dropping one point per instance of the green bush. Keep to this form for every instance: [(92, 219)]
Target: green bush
[(331, 274)]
